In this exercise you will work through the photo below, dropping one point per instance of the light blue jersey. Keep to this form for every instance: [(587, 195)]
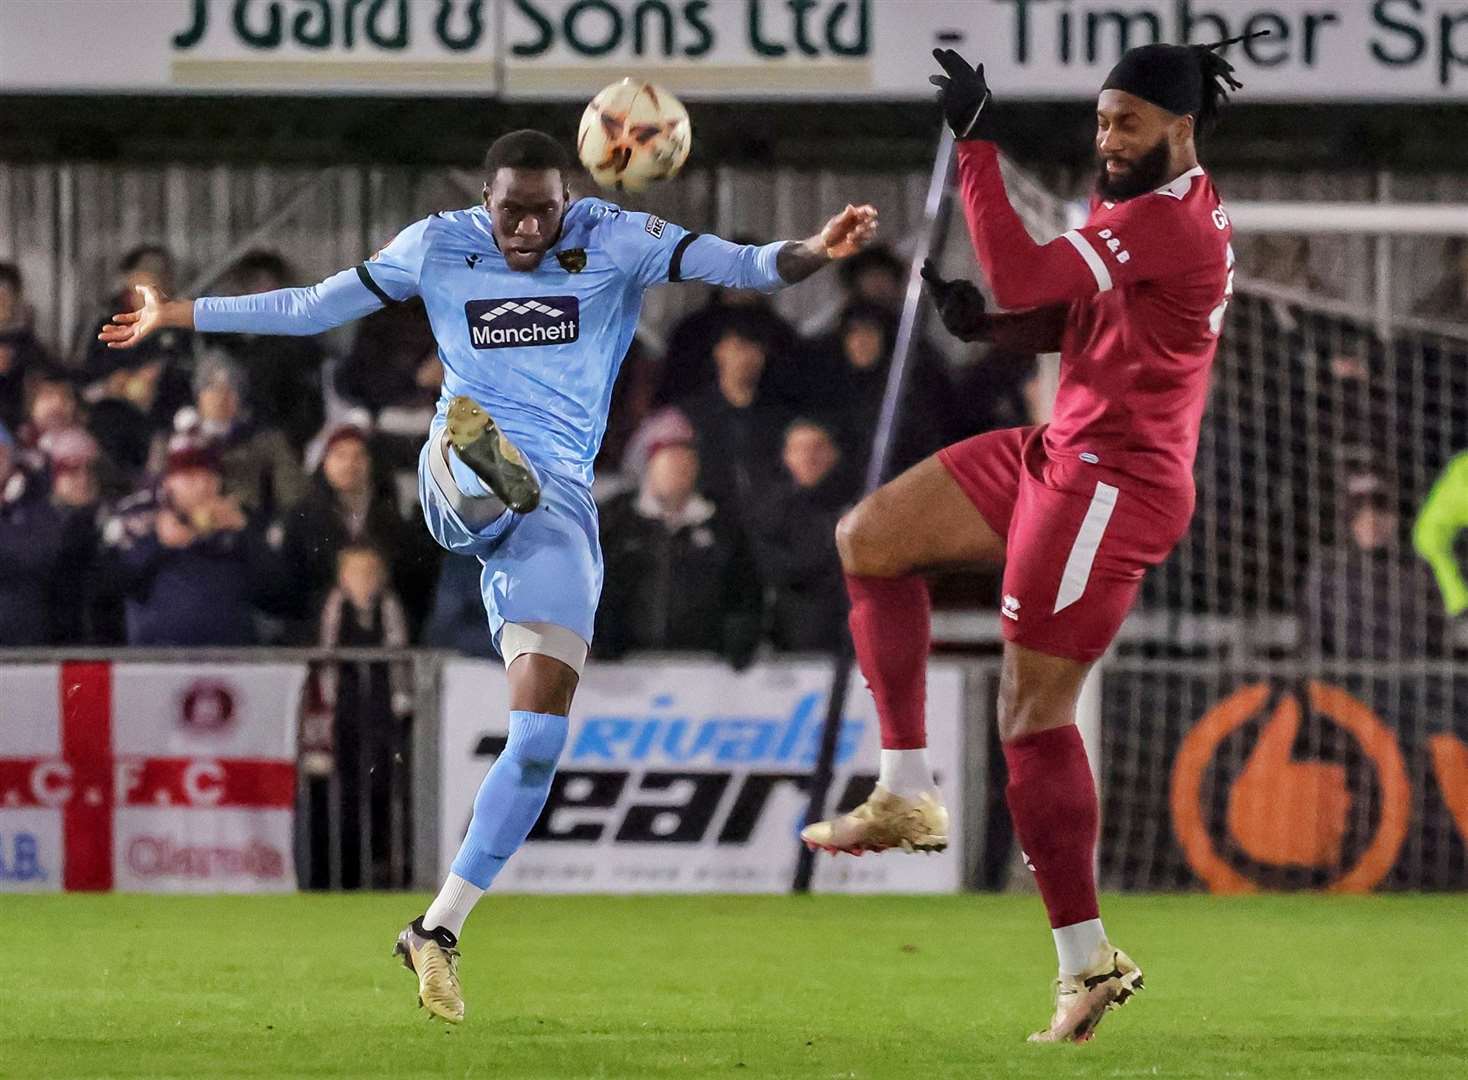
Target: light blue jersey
[(539, 350)]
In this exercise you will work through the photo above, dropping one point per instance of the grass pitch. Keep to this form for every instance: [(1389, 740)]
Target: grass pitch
[(823, 987)]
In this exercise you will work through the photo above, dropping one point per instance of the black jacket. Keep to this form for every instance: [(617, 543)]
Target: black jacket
[(688, 586), (795, 543), (316, 529), (33, 547), (738, 449)]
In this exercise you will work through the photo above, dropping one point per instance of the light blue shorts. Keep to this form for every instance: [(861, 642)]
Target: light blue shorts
[(544, 566)]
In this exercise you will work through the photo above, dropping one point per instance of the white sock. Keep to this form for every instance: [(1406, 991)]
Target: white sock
[(906, 772), (1076, 945), (452, 905)]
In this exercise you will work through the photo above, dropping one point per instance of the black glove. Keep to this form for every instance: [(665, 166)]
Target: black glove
[(963, 93), (960, 304)]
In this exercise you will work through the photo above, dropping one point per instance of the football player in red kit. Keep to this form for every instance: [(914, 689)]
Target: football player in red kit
[(1076, 510)]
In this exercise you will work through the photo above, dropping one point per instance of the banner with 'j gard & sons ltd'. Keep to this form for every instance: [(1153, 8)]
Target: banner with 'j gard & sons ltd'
[(690, 777), (1314, 50)]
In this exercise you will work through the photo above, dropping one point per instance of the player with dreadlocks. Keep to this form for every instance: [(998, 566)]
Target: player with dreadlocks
[(1076, 510)]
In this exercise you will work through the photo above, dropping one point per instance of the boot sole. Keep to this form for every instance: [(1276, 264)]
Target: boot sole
[(494, 458)]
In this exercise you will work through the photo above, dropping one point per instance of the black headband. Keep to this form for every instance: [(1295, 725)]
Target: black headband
[(1172, 77)]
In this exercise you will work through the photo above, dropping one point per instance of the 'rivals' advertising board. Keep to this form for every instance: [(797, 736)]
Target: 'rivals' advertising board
[(689, 777)]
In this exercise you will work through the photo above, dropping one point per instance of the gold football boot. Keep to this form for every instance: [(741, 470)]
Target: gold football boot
[(433, 955), (884, 821), (1082, 1000)]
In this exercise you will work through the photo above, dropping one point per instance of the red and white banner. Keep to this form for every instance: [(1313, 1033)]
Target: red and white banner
[(148, 777)]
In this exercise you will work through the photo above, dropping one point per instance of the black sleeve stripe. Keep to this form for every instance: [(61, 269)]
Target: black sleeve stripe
[(362, 273), (675, 264)]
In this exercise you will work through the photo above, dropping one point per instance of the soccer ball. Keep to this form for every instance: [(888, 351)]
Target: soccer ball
[(633, 134)]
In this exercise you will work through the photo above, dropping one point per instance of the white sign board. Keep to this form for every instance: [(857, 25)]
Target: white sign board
[(1342, 50), (690, 777)]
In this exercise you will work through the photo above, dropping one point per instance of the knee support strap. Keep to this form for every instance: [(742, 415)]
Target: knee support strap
[(544, 638)]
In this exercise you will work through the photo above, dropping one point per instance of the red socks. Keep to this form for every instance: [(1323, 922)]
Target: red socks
[(890, 628), (1052, 801)]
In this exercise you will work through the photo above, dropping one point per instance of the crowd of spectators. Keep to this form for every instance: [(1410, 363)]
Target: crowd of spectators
[(237, 490)]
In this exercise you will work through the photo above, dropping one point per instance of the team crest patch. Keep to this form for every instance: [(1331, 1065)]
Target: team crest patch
[(572, 260), (656, 225)]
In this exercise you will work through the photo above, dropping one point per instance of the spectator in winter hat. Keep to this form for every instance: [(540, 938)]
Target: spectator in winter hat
[(259, 465), (72, 456)]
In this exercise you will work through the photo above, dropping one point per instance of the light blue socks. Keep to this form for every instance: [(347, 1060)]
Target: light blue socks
[(512, 796)]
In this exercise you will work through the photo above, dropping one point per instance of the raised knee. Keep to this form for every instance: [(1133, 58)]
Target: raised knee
[(860, 546)]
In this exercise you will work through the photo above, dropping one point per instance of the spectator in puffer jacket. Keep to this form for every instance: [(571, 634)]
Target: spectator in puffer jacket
[(188, 561), (795, 542), (32, 548), (260, 467), (679, 572)]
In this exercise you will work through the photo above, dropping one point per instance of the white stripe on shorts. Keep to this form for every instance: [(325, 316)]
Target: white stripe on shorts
[(1083, 551)]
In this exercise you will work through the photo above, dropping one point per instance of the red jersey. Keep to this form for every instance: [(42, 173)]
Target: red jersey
[(1147, 281)]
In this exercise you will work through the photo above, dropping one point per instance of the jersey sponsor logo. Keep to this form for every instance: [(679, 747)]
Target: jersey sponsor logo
[(656, 225), (523, 321)]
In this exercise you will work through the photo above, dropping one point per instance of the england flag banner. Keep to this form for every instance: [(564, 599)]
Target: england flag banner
[(148, 777), (689, 777)]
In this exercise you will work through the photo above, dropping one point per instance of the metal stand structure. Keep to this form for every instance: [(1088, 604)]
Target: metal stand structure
[(935, 215)]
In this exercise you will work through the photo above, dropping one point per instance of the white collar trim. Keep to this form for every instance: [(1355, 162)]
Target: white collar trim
[(1179, 187)]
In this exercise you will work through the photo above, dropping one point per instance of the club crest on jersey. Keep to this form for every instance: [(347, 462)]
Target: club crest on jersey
[(521, 321), (572, 260)]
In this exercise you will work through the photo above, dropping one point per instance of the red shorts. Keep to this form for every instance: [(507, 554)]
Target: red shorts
[(1078, 537)]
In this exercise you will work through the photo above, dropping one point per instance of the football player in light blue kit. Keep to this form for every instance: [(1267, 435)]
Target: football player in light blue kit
[(534, 301)]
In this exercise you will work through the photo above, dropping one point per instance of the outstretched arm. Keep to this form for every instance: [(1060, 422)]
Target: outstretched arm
[(388, 277), (337, 300), (657, 251), (845, 234)]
